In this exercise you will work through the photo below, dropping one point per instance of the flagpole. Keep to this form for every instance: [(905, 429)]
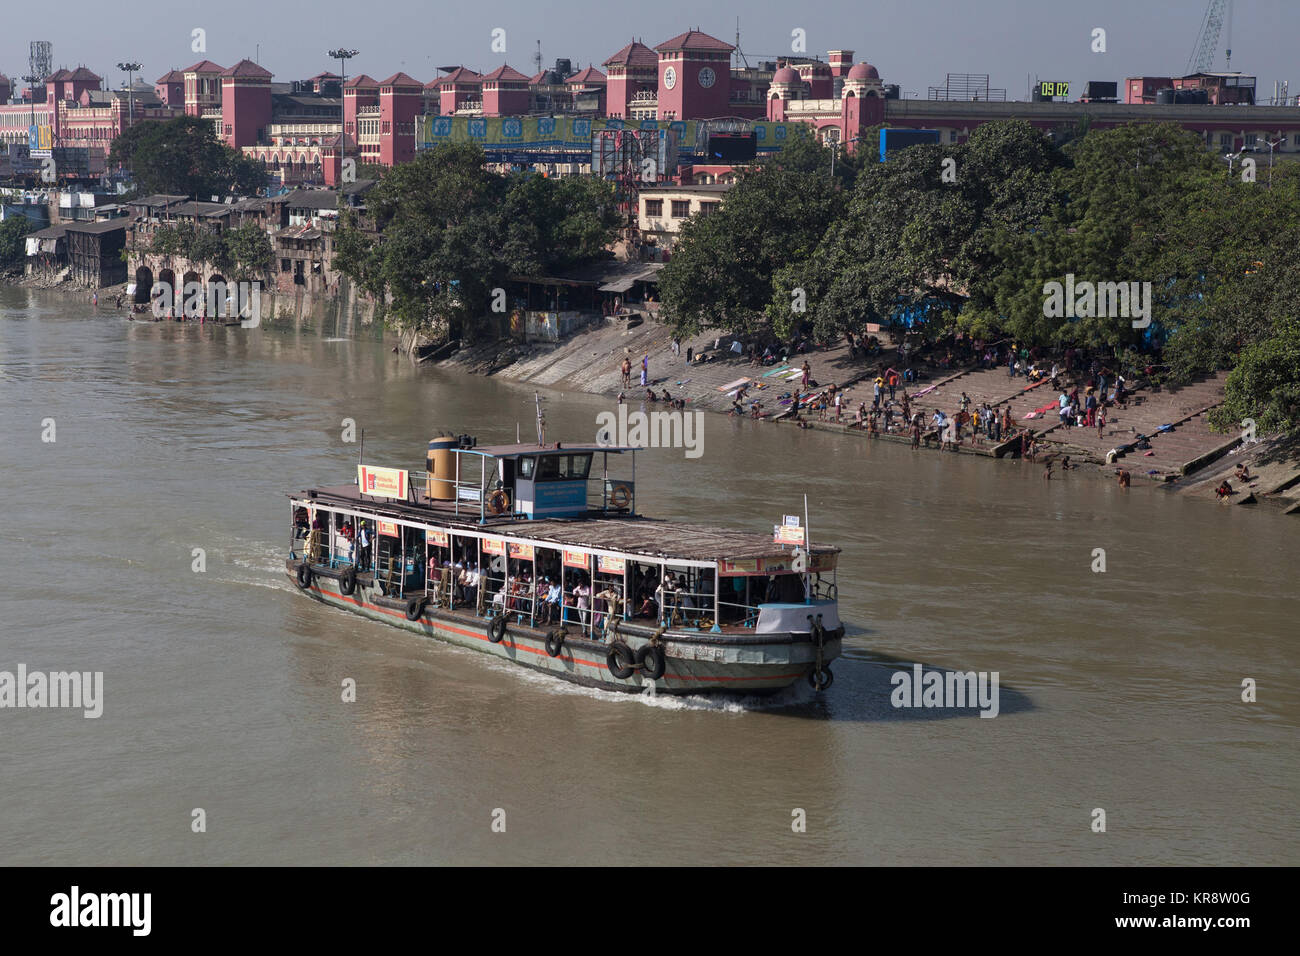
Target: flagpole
[(807, 546)]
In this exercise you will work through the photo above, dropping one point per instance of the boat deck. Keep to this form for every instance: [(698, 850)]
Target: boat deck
[(628, 534)]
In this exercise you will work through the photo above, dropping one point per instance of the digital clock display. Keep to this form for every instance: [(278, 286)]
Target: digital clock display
[(1049, 88)]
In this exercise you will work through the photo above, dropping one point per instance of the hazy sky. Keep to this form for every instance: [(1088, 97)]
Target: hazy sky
[(912, 42)]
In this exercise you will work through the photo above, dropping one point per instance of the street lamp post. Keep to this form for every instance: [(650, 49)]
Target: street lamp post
[(342, 54), (1271, 145), (130, 67)]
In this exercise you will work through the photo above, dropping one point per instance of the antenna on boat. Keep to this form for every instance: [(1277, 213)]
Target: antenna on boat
[(807, 544), (541, 421)]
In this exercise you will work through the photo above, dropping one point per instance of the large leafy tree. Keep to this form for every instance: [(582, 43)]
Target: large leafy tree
[(919, 228), (182, 157), (722, 266), (450, 232), (1110, 224)]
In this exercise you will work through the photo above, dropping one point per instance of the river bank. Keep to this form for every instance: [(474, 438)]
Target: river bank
[(1160, 436)]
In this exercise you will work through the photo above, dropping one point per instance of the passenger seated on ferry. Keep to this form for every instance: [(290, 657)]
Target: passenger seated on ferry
[(300, 523), (553, 595)]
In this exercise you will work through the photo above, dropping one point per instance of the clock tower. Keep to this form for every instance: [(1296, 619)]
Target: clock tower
[(694, 77)]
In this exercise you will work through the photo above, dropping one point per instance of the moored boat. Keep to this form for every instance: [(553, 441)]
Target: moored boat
[(525, 552)]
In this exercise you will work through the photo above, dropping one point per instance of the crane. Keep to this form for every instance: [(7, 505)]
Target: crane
[(1207, 44)]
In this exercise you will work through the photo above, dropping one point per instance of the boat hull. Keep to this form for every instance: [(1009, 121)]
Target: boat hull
[(695, 662)]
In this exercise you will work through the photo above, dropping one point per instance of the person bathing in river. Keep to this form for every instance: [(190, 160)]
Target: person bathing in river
[(1243, 473)]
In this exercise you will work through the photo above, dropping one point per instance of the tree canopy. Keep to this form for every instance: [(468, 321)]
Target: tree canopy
[(451, 231), (969, 236), (182, 157)]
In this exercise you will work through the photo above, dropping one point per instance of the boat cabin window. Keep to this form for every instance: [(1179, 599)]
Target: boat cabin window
[(563, 467), (526, 466)]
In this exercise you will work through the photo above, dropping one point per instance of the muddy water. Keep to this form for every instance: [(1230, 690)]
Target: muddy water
[(1119, 690)]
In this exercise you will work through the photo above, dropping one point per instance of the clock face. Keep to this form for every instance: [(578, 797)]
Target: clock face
[(707, 77), (670, 78)]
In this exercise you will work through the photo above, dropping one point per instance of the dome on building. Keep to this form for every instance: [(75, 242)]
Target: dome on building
[(786, 75), (864, 71)]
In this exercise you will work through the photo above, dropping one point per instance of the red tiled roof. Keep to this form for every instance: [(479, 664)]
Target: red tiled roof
[(362, 81), (83, 74), (203, 66), (505, 73), (534, 80), (460, 75), (247, 68), (589, 75), (635, 53), (401, 79), (694, 40), (172, 76), (58, 76), (325, 76)]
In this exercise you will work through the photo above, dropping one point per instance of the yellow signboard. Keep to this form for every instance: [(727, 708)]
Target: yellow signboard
[(494, 546), (382, 482), (610, 565), (575, 559), (520, 550), (389, 529), (438, 538), (786, 534)]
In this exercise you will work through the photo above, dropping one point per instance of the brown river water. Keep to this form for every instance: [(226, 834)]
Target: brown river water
[(1120, 690)]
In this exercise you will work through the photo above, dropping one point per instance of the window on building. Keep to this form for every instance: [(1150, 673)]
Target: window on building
[(654, 208), (1251, 139), (1296, 141), (708, 208), (681, 208), (1225, 140)]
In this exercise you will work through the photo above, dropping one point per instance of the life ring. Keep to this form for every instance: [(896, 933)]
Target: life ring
[(415, 608), (497, 629), (554, 642), (620, 660), (499, 502), (651, 661), (619, 497), (304, 575), (348, 582), (820, 679)]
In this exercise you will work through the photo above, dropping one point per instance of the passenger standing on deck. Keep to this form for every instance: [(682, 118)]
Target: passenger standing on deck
[(582, 597)]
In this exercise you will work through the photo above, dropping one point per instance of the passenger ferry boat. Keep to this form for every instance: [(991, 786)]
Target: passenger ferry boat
[(524, 552)]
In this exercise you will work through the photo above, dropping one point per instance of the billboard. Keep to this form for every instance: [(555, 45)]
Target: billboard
[(893, 140), (521, 135), (382, 482)]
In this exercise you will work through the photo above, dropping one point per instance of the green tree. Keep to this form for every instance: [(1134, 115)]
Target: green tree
[(13, 244), (722, 268), (182, 157)]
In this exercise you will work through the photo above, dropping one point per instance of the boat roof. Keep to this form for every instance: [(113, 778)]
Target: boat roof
[(527, 449), (652, 538)]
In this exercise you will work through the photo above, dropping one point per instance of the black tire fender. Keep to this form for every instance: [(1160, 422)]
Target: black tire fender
[(497, 629), (652, 662), (348, 582), (415, 608), (821, 679), (554, 642), (620, 660), (304, 576)]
